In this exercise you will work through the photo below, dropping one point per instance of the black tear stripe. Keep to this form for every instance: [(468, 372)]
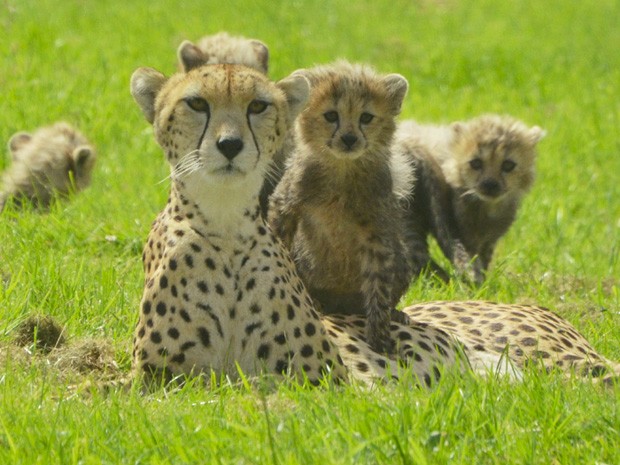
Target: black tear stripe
[(337, 127), (337, 96), (247, 117), (362, 131), (204, 131)]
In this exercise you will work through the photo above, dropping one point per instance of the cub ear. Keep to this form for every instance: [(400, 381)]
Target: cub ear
[(457, 132), (145, 85), (297, 90), (397, 87), (457, 128), (300, 72), (17, 141), (84, 157), (190, 56), (535, 134), (262, 54)]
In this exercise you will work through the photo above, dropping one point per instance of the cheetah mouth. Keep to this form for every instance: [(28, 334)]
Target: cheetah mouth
[(490, 197), (347, 154), (228, 170)]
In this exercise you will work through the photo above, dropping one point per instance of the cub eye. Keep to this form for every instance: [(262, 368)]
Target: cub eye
[(475, 164), (331, 116), (508, 166), (366, 118), (257, 106), (197, 104)]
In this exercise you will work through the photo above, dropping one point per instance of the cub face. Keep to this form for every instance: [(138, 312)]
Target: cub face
[(351, 110), (218, 123), (493, 157)]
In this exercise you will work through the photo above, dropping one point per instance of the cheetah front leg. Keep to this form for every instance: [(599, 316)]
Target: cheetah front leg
[(471, 268), (379, 288), (283, 217), (485, 256), (446, 229)]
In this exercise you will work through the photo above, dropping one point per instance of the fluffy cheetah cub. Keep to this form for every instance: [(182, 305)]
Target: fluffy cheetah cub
[(471, 178), (338, 206), (50, 162), (223, 48)]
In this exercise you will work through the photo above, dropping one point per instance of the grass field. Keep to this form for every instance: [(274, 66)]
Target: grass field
[(553, 63)]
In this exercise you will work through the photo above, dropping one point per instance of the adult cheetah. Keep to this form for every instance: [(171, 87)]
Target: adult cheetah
[(521, 334)]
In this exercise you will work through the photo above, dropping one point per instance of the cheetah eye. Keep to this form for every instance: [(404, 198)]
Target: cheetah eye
[(256, 107), (366, 118), (475, 164), (197, 104), (331, 116), (508, 166)]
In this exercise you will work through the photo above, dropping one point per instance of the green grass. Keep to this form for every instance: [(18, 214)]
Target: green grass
[(551, 63)]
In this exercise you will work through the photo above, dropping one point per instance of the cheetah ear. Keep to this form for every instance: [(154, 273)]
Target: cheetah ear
[(458, 129), (303, 72), (84, 157), (145, 85), (297, 90), (536, 134), (190, 56), (262, 54), (397, 87), (17, 141)]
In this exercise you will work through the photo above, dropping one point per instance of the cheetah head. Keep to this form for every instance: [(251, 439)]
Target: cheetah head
[(351, 111), (219, 125), (494, 157)]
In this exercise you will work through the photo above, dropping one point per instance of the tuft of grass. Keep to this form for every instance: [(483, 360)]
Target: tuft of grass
[(548, 63)]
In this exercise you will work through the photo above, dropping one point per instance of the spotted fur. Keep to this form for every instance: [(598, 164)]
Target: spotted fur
[(49, 163), (338, 205), (471, 178), (521, 335)]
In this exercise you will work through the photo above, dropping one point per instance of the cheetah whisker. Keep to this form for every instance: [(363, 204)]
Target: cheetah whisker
[(271, 173), (468, 192), (188, 164)]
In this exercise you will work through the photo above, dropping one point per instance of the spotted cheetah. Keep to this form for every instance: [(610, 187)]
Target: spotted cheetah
[(471, 177), (338, 207), (522, 334), (49, 163), (221, 293), (223, 48)]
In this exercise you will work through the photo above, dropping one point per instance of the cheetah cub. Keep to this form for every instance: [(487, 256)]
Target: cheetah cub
[(50, 162), (337, 207), (471, 178), (223, 48)]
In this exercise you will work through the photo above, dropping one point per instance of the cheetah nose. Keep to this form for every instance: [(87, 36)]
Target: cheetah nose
[(349, 140), (490, 187), (230, 148)]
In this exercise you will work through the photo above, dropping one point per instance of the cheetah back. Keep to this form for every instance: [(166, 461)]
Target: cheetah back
[(526, 334)]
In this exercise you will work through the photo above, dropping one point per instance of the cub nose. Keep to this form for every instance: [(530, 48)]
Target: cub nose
[(490, 187), (230, 147), (349, 140)]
